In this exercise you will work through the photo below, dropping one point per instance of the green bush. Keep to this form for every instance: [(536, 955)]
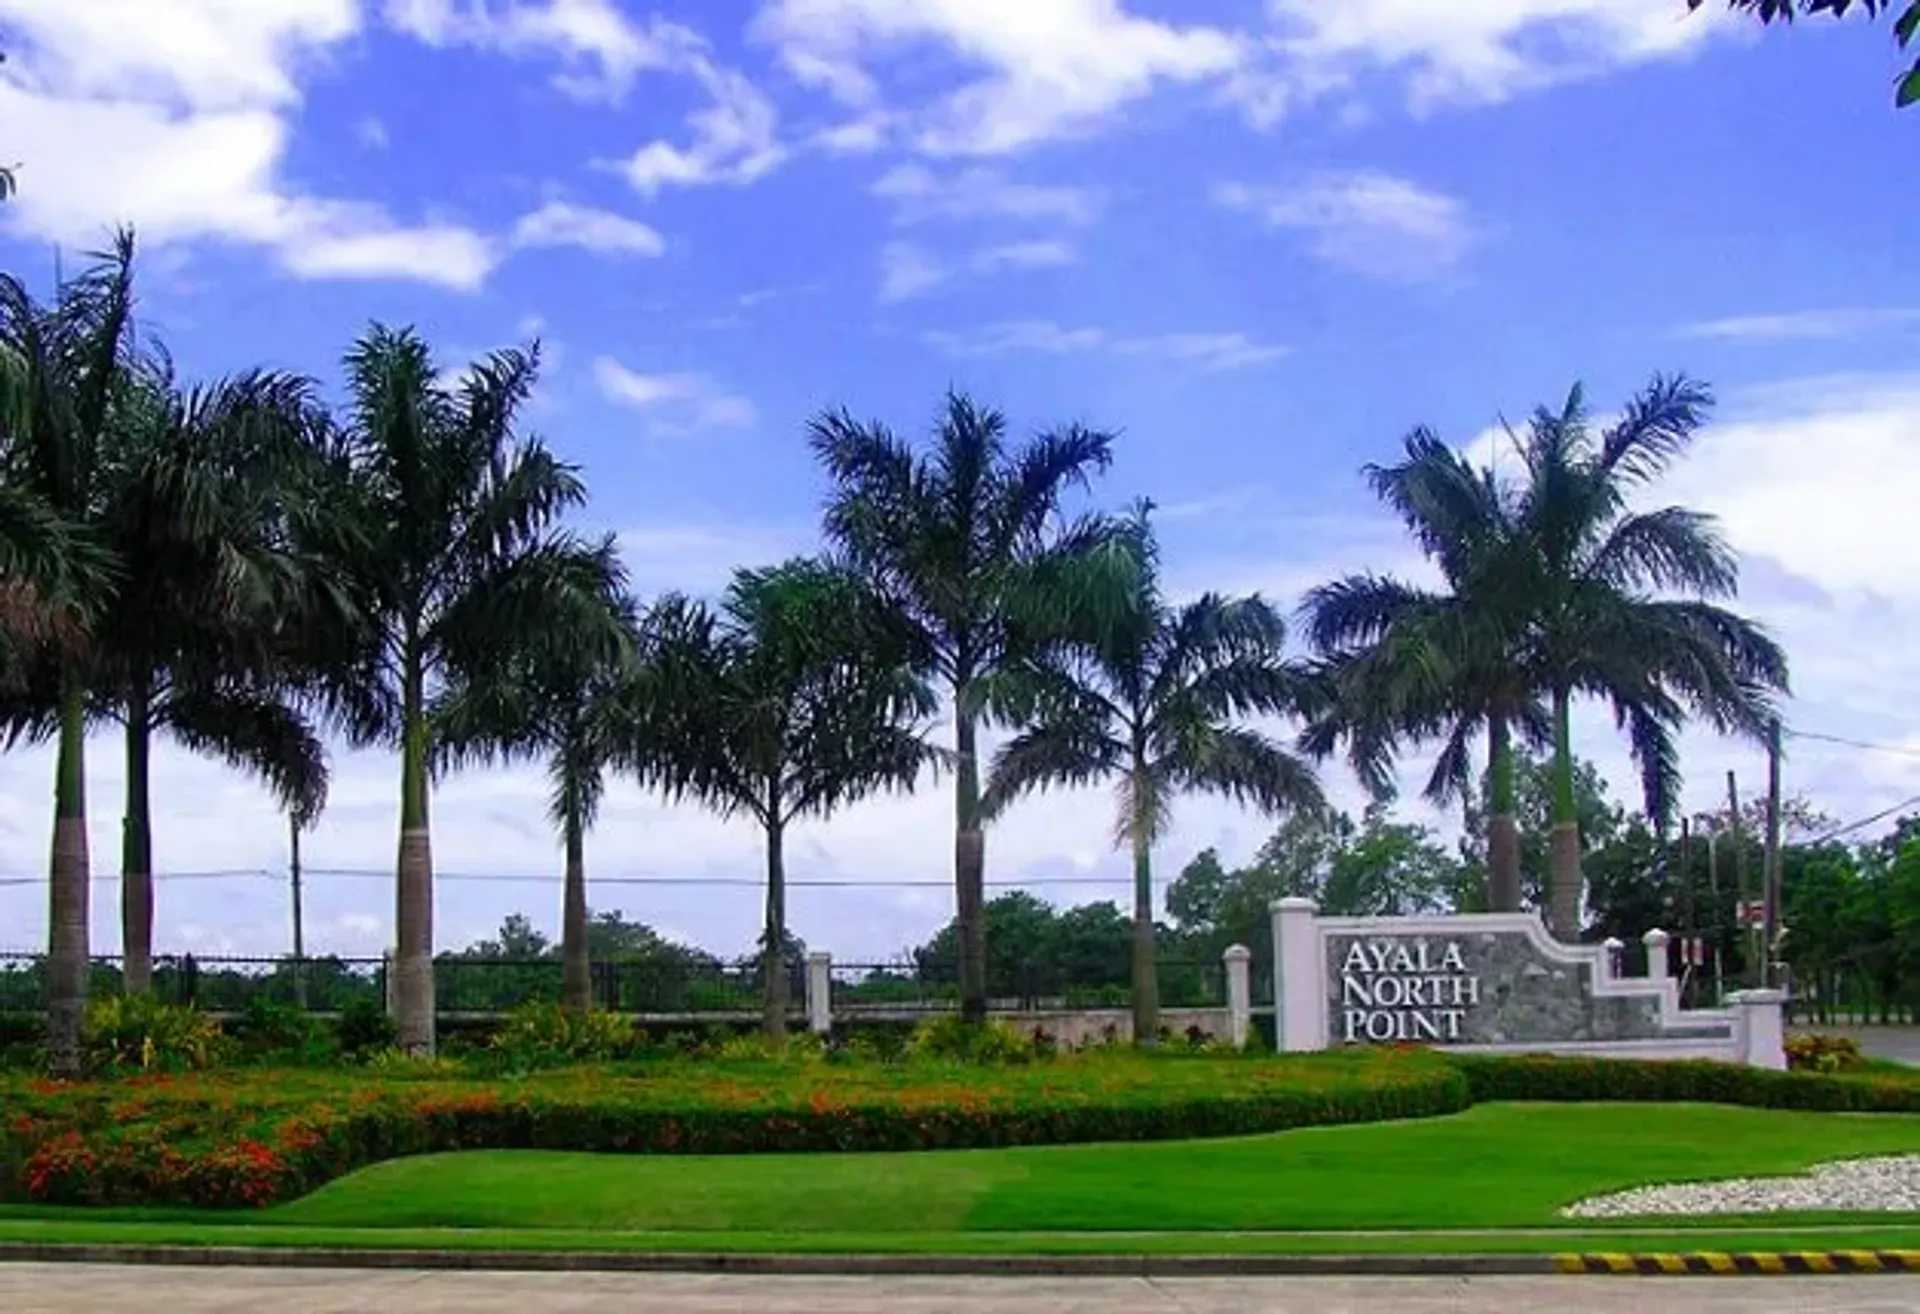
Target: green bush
[(537, 1035), (1819, 1053), (363, 1029), (135, 1033), (948, 1039), (271, 1032)]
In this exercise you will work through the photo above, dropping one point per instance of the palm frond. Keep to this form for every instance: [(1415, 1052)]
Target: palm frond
[(1660, 421), (260, 733)]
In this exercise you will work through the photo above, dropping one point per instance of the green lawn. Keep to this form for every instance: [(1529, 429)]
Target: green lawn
[(1495, 1166)]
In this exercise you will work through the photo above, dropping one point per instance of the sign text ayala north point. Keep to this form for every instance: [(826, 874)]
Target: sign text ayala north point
[(1405, 989)]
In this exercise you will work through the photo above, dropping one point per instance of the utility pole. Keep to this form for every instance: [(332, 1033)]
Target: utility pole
[(1753, 963), (1689, 915), (1771, 923), (1713, 902), (299, 930)]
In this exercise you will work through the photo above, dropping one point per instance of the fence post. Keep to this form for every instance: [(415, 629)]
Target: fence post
[(386, 980), (820, 992), (1659, 964), (1614, 957), (190, 981), (1239, 960)]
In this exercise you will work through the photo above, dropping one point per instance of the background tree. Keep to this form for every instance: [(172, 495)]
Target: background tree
[(1156, 705), (795, 700), (1601, 819), (1375, 867), (568, 696), (456, 558), (1904, 28), (968, 545), (61, 368)]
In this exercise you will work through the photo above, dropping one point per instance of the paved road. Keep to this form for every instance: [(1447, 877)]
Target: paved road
[(71, 1289)]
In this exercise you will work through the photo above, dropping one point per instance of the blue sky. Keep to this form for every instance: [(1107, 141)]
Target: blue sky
[(1261, 240)]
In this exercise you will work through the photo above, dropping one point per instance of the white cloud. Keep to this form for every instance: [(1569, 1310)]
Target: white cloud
[(1045, 70), (907, 271), (178, 122), (699, 559), (735, 139), (601, 50), (1373, 223), (372, 133), (919, 194), (674, 403), (1206, 351), (1473, 50), (559, 223), (1024, 255), (1798, 325), (197, 55)]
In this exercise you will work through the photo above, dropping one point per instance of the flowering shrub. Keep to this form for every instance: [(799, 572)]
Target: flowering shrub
[(537, 1035), (1815, 1053), (248, 1139), (135, 1033)]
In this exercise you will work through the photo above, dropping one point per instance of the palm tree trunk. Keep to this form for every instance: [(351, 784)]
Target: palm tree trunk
[(69, 880), (413, 902), (773, 953), (136, 851), (1146, 979), (1564, 902), (969, 866), (576, 969), (1503, 828)]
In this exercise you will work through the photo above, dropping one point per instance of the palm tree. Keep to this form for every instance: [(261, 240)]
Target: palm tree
[(792, 702), (1154, 705), (968, 545), (1557, 589), (65, 364), (454, 559), (570, 698), (193, 646), (1619, 603), (1403, 664)]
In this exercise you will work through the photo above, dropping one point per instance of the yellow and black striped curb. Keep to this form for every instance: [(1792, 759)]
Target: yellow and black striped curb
[(1721, 1263)]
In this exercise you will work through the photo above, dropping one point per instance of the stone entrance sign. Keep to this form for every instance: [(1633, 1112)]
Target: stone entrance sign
[(1495, 983)]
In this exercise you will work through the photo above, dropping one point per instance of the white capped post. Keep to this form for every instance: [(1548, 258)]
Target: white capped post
[(1299, 986), (1239, 961), (1658, 963), (1760, 1027), (820, 992)]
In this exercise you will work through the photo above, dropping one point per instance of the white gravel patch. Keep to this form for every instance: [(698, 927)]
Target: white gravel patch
[(1891, 1182)]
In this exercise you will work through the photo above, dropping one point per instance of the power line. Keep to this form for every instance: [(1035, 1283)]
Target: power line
[(1842, 740), (1852, 826), (543, 878)]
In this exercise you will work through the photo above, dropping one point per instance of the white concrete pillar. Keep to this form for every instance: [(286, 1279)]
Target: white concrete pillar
[(1760, 1027), (1659, 965), (1239, 961), (1614, 947), (820, 992), (1299, 987)]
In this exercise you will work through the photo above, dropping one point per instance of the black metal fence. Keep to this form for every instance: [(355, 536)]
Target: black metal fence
[(484, 986)]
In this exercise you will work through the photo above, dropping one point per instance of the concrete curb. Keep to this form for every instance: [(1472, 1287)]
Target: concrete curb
[(766, 1265), (1694, 1264)]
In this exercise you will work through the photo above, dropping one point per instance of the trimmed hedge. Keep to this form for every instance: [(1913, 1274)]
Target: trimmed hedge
[(1533, 1077), (252, 1139)]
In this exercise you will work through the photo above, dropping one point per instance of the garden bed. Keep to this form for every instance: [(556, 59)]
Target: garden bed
[(258, 1137)]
